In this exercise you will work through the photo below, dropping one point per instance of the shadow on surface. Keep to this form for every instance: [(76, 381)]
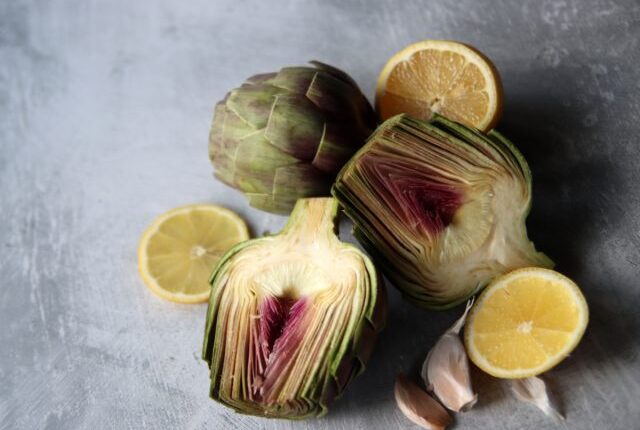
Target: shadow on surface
[(402, 346), (575, 187), (571, 183)]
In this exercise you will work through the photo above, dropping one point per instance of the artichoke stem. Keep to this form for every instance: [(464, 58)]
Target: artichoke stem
[(519, 252), (313, 220)]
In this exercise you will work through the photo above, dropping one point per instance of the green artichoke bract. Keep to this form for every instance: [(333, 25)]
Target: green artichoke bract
[(292, 318), (285, 135), (440, 206)]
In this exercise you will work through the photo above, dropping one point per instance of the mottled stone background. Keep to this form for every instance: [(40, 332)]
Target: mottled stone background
[(105, 109)]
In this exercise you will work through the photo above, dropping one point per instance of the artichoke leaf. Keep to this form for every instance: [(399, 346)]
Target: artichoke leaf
[(259, 78), (335, 149), (298, 178), (253, 103), (294, 79), (335, 72), (253, 160), (295, 126)]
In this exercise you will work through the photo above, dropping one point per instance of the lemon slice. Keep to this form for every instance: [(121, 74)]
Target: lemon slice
[(441, 76), (180, 249), (525, 322)]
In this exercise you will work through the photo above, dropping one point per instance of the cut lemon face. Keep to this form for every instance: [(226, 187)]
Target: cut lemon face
[(525, 322), (180, 249), (441, 76)]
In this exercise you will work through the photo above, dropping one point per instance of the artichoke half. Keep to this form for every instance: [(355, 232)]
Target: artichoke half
[(440, 206), (292, 318), (285, 135)]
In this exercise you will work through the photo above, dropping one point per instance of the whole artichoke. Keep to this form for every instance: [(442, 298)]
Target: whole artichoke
[(292, 317), (285, 135)]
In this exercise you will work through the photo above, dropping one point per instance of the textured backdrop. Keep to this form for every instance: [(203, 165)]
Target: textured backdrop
[(105, 109)]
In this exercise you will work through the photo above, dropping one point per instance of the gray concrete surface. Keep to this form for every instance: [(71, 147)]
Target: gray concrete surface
[(105, 109)]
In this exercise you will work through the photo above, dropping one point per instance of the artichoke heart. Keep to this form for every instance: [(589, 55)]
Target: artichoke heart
[(440, 206), (282, 136), (292, 318)]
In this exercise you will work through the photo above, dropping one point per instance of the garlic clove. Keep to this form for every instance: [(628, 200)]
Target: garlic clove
[(446, 374), (534, 390), (445, 371), (418, 406)]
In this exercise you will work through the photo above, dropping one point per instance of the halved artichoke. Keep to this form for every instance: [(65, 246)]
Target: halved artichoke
[(292, 318), (440, 206)]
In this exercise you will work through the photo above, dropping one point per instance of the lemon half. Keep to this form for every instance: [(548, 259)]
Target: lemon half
[(525, 322), (441, 76)]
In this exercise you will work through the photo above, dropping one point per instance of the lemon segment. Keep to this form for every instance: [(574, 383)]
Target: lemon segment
[(180, 249), (441, 76), (525, 322)]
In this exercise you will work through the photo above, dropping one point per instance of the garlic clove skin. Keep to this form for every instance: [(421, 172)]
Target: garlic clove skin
[(445, 371), (418, 406), (446, 374), (534, 390)]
